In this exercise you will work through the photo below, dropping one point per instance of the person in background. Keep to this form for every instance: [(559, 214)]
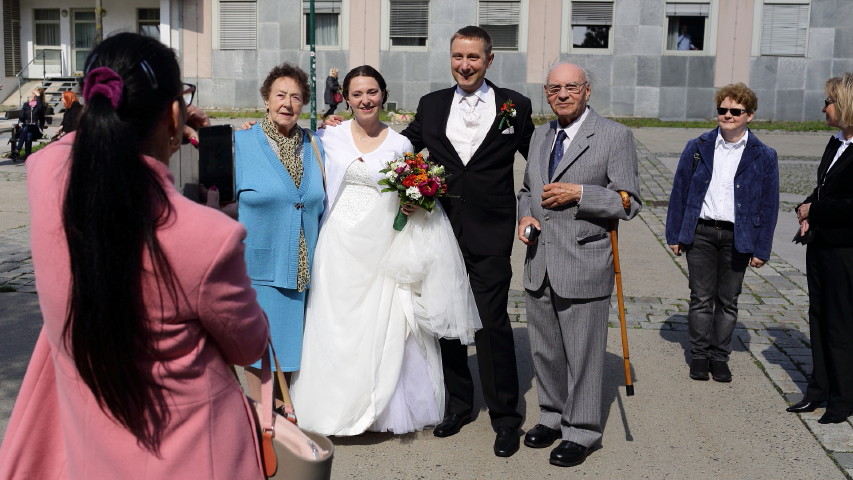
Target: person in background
[(31, 123), (333, 91), (71, 115), (722, 214), (684, 40), (144, 294), (827, 216), (279, 187)]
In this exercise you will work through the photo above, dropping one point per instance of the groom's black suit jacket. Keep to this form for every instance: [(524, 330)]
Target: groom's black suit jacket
[(481, 205)]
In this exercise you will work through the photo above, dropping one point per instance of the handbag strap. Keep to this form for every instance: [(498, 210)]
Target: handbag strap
[(267, 404), (317, 156)]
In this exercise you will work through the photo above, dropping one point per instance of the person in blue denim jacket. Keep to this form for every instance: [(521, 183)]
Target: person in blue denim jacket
[(722, 213)]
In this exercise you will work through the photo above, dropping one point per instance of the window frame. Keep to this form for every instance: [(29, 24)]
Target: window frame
[(343, 26), (567, 39), (758, 27), (217, 26), (522, 22), (385, 20), (710, 38), (140, 22)]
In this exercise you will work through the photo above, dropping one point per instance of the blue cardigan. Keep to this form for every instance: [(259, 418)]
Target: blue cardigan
[(272, 209), (756, 194)]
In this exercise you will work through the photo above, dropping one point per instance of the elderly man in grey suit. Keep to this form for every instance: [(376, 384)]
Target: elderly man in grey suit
[(577, 166)]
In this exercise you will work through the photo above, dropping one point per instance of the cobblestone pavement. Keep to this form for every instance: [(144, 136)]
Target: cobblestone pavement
[(773, 307)]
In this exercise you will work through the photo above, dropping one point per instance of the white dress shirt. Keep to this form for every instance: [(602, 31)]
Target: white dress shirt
[(571, 132), (466, 140), (719, 203), (844, 144)]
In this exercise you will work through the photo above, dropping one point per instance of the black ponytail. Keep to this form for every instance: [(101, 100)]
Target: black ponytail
[(113, 206)]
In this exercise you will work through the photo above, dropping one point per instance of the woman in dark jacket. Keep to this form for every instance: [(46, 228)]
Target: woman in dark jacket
[(722, 214), (31, 123), (71, 116), (826, 224), (332, 87)]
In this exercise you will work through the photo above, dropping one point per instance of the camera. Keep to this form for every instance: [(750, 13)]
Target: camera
[(530, 233)]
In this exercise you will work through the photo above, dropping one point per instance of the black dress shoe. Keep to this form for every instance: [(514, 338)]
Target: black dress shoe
[(506, 441), (834, 416), (541, 436), (720, 371), (569, 454), (699, 369), (451, 424), (804, 406)]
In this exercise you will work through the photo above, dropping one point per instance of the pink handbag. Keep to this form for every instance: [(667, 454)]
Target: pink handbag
[(288, 452)]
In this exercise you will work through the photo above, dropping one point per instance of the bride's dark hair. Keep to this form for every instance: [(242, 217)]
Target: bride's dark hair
[(366, 71)]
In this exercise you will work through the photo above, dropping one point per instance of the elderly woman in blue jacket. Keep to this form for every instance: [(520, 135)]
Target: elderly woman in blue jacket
[(722, 213), (279, 185)]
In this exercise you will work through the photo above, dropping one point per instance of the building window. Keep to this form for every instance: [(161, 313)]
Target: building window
[(48, 56), (785, 26), (501, 19), (82, 37), (687, 24), (238, 25), (12, 37), (409, 23), (591, 22), (148, 22), (327, 15)]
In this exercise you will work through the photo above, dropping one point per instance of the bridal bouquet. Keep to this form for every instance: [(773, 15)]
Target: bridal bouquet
[(416, 180)]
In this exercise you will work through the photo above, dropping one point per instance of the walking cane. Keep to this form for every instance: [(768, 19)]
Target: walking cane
[(614, 242)]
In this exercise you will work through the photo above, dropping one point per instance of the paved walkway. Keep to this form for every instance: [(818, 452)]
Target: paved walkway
[(684, 429)]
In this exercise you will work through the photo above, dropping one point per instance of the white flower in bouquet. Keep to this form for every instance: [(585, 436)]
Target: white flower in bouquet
[(413, 193)]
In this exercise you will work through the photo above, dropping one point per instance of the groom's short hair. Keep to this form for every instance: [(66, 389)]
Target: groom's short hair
[(473, 32)]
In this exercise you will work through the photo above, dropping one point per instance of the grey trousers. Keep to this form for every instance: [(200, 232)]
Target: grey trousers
[(568, 340), (716, 273)]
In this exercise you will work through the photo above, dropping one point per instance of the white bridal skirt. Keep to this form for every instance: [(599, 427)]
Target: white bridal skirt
[(378, 302)]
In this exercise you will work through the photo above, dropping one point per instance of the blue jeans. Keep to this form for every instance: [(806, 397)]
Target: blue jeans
[(716, 273), (29, 132)]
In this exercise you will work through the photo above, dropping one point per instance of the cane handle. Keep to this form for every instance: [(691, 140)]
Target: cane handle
[(626, 199)]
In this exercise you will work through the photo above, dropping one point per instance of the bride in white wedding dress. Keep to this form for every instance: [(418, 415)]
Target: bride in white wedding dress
[(380, 299)]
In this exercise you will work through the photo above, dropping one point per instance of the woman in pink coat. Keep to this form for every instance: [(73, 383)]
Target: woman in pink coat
[(144, 294)]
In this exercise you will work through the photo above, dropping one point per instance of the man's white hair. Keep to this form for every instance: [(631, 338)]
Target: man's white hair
[(548, 73)]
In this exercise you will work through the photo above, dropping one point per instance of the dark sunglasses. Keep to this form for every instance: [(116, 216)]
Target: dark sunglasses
[(736, 112), (828, 102)]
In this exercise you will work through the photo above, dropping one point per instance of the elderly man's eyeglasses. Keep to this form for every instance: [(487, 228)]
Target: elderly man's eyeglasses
[(188, 93), (736, 112), (554, 89), (828, 102)]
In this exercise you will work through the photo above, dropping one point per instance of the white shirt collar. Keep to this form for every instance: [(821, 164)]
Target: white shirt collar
[(840, 136), (572, 128), (721, 142), (480, 92)]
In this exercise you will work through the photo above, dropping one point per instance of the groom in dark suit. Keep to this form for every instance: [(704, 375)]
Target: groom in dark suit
[(474, 130)]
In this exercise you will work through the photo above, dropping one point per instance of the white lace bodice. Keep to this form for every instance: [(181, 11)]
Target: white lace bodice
[(357, 197)]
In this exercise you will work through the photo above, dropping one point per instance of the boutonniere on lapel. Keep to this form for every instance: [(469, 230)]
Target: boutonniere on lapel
[(506, 114)]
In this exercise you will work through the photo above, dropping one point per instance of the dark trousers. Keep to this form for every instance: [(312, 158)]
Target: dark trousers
[(331, 110), (716, 273), (490, 277), (29, 132), (830, 276)]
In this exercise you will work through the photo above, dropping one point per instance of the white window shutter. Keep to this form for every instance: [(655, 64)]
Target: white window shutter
[(784, 29), (501, 19), (238, 25), (592, 13)]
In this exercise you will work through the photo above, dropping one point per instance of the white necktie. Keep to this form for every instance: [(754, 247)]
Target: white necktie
[(470, 114)]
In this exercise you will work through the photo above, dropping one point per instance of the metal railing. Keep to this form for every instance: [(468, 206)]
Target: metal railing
[(43, 55)]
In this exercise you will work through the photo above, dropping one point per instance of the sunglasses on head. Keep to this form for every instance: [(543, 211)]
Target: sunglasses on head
[(736, 112)]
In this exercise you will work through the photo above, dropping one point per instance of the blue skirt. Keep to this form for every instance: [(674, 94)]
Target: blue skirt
[(285, 309)]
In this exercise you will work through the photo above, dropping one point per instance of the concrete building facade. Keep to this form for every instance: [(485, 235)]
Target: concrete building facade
[(646, 58)]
